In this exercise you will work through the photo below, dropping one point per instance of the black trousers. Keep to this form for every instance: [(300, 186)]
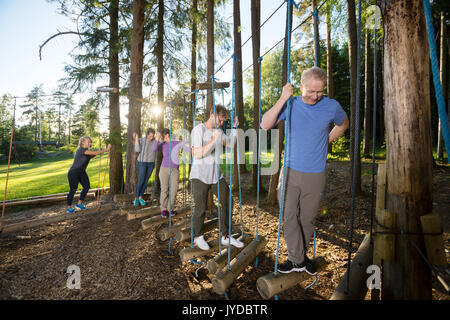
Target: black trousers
[(76, 176)]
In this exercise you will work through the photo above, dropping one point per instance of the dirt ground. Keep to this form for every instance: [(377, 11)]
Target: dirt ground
[(120, 260)]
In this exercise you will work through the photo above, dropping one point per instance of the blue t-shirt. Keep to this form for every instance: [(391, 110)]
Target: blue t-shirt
[(308, 132), (81, 160)]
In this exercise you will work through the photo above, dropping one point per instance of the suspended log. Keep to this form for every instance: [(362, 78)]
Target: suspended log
[(185, 233), (140, 213), (195, 252), (167, 232), (225, 277), (157, 220), (55, 218), (270, 284), (434, 244), (41, 200), (357, 288), (129, 197), (219, 261)]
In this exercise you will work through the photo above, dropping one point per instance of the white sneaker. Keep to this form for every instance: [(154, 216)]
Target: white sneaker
[(201, 243), (234, 242)]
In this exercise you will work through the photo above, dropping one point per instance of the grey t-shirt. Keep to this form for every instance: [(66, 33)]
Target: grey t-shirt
[(205, 169), (145, 149)]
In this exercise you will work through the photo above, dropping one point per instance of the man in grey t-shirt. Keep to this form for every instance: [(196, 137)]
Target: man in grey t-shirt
[(204, 176)]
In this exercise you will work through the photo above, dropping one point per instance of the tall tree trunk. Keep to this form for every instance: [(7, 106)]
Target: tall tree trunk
[(193, 61), (272, 195), (159, 52), (368, 96), (116, 163), (330, 83), (443, 65), (316, 35), (256, 22), (239, 86), (352, 48), (135, 102), (210, 53), (408, 125)]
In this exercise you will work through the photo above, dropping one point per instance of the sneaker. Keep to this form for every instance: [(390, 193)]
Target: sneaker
[(201, 243), (173, 213), (80, 206), (234, 242), (142, 202), (70, 210), (164, 213), (136, 202), (289, 266), (310, 268)]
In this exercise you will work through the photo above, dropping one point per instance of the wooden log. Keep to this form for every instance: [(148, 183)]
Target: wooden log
[(195, 252), (46, 200), (129, 197), (358, 274), (225, 277), (157, 220), (53, 219), (219, 261), (384, 243), (434, 244), (208, 85), (270, 284), (381, 187), (168, 232), (53, 195), (185, 233), (141, 213)]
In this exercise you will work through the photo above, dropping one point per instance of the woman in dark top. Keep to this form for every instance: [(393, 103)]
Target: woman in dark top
[(77, 172)]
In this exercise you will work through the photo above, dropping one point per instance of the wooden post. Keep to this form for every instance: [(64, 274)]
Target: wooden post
[(384, 243), (270, 284), (185, 233), (434, 244), (225, 277), (381, 187), (219, 261), (358, 288)]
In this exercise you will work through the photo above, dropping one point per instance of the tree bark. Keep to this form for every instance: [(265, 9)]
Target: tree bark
[(443, 66), (272, 194), (135, 104), (352, 54), (330, 83), (193, 61), (159, 52), (368, 96), (408, 142), (316, 36), (116, 163), (256, 22)]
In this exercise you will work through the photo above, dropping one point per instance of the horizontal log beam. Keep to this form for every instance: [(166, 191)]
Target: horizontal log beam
[(208, 85), (219, 261), (185, 233), (270, 284), (53, 219), (90, 195)]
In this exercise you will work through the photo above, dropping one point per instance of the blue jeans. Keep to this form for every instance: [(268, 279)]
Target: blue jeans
[(76, 176), (144, 171)]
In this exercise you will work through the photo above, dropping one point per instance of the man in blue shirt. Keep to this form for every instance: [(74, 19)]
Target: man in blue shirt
[(307, 146)]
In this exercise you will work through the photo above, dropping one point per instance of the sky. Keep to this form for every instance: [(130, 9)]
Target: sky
[(26, 24)]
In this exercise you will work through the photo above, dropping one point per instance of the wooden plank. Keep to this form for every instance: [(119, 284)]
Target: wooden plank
[(54, 195), (270, 284), (434, 244), (53, 219), (381, 186), (140, 212), (208, 85), (384, 243), (225, 277), (358, 274)]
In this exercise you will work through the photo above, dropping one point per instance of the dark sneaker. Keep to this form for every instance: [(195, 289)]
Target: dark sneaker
[(289, 266), (309, 266), (173, 213), (164, 213)]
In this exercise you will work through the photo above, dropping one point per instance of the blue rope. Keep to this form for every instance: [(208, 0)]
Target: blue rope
[(170, 174), (192, 161), (217, 162), (436, 80), (356, 149), (286, 126), (316, 38)]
